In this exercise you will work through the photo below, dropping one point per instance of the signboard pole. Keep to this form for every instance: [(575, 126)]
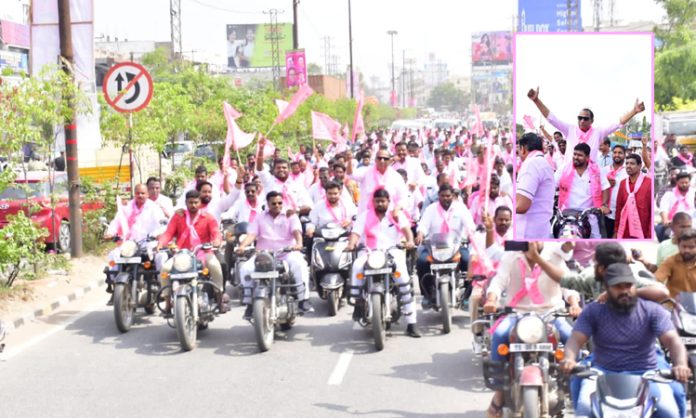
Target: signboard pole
[(130, 150), (66, 52)]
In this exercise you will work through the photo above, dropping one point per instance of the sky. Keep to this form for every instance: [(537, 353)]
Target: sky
[(605, 73), (442, 27)]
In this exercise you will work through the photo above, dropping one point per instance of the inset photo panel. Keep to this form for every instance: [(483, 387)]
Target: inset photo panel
[(583, 110)]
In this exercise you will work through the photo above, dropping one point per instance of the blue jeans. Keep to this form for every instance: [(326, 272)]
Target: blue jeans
[(668, 406), (427, 285), (501, 335)]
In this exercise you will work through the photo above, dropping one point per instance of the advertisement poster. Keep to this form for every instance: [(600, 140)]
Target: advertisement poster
[(295, 68), (491, 48), (250, 46)]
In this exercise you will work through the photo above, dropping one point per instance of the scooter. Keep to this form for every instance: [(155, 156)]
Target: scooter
[(575, 224), (330, 267)]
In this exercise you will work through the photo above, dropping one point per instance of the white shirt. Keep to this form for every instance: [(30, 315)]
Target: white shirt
[(505, 183), (580, 196), (620, 175), (147, 222), (494, 252), (295, 191), (241, 210), (317, 193), (668, 200), (392, 181), (181, 201), (459, 218), (413, 168), (571, 133), (165, 204), (218, 206), (322, 215), (388, 234)]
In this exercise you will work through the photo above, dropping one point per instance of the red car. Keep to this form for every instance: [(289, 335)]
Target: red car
[(55, 220)]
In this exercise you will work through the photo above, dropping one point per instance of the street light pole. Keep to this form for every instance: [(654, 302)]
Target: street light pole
[(350, 49), (393, 82)]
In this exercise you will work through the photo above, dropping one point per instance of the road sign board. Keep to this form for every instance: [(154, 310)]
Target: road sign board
[(127, 87)]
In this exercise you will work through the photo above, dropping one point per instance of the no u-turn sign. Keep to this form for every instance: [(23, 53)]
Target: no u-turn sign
[(127, 87)]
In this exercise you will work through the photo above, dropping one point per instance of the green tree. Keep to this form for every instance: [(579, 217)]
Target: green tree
[(675, 60), (447, 96)]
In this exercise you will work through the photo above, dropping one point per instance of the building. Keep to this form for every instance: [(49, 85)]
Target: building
[(14, 35), (435, 71)]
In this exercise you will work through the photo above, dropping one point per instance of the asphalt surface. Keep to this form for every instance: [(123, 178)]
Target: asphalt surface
[(75, 363)]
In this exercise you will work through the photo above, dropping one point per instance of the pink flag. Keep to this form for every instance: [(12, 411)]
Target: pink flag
[(235, 136), (323, 127), (300, 96), (293, 156), (528, 122), (358, 124), (234, 113), (268, 149), (282, 105), (478, 128)]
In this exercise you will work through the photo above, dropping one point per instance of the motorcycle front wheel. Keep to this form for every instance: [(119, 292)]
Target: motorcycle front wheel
[(263, 326), (186, 329), (445, 308), (334, 298), (124, 309), (378, 330), (530, 402)]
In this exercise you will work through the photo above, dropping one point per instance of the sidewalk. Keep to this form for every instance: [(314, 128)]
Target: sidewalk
[(57, 289)]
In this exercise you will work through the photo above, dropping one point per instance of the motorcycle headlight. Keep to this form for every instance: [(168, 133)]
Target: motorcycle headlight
[(442, 254), (530, 329), (329, 233), (183, 262), (317, 260), (128, 249), (264, 262), (376, 260), (609, 412), (688, 321)]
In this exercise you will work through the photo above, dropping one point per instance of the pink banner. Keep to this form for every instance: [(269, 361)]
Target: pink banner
[(281, 105), (300, 96), (323, 127), (295, 68), (236, 138), (528, 122), (358, 124), (268, 149)]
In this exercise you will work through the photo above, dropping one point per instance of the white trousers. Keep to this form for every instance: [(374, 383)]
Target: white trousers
[(298, 269)]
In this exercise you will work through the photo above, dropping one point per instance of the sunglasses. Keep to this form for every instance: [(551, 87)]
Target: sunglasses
[(585, 118), (383, 158)]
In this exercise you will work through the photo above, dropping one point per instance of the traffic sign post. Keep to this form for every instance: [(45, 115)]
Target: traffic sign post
[(128, 88)]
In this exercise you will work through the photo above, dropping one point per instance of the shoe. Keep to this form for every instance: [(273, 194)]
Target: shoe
[(478, 346), (248, 312), (111, 300), (306, 306), (412, 332), (426, 304), (358, 310)]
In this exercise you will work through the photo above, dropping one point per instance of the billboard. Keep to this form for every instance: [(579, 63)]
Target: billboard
[(491, 48), (492, 86), (549, 16), (250, 46), (295, 68)]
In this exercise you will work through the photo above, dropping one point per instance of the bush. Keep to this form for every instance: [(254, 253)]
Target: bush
[(93, 231), (21, 243)]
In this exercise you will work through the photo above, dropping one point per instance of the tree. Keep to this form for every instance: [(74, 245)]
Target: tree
[(675, 60), (447, 96), (313, 69)]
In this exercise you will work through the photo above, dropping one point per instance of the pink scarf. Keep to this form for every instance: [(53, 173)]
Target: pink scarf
[(686, 160), (333, 214), (372, 225), (191, 232), (288, 201), (583, 137), (446, 217), (680, 200), (252, 211), (567, 182), (529, 285), (126, 223), (630, 212)]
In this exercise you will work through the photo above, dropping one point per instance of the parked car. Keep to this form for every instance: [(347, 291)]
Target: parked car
[(55, 218), (178, 151), (209, 150)]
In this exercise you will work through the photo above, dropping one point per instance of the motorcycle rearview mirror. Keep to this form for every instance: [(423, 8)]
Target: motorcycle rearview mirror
[(163, 222)]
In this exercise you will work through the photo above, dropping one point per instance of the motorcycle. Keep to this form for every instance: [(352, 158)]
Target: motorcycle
[(381, 294), (192, 296), (135, 281), (275, 299), (234, 233), (684, 320), (330, 266), (444, 256), (623, 395), (575, 224), (530, 376)]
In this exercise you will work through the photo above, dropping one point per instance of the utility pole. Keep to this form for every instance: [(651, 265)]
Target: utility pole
[(327, 55), (393, 81), (273, 34), (175, 27), (66, 52), (350, 49), (403, 78), (295, 39)]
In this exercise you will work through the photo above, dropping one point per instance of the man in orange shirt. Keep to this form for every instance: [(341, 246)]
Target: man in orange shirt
[(192, 228)]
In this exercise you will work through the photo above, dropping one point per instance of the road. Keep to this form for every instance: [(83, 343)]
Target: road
[(76, 364)]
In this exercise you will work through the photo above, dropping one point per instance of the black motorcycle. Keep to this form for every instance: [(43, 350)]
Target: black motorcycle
[(234, 234), (575, 224), (330, 267), (684, 320), (444, 257)]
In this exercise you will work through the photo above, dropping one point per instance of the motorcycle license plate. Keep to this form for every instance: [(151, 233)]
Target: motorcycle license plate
[(264, 275), (127, 260), (516, 348), (688, 340), (378, 271), (183, 275), (446, 266)]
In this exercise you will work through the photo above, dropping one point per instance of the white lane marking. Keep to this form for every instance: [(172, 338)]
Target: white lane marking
[(340, 369), (13, 351)]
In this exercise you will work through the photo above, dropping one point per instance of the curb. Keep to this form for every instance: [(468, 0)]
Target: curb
[(25, 319)]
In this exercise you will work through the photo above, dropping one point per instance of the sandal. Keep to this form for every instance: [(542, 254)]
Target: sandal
[(495, 411)]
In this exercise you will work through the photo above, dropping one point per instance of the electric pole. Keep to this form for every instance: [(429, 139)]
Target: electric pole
[(393, 81), (350, 49), (66, 52), (273, 34), (295, 39), (175, 27)]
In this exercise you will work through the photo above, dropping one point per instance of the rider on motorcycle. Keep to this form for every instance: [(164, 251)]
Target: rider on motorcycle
[(541, 294), (448, 215), (274, 230), (380, 230), (625, 340), (190, 229), (332, 209)]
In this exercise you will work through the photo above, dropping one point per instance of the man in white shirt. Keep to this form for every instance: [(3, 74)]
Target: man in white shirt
[(446, 216), (414, 171), (678, 199), (614, 173), (535, 190), (246, 210), (201, 174), (583, 188), (605, 155), (211, 204), (379, 175), (584, 132), (379, 230), (162, 201), (332, 209)]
